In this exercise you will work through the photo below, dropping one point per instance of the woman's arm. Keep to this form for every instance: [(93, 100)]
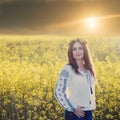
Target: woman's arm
[(60, 90)]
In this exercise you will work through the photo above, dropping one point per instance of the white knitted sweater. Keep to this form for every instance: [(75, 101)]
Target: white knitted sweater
[(72, 89)]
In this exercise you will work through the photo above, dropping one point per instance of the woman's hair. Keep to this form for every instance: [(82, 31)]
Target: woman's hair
[(87, 62)]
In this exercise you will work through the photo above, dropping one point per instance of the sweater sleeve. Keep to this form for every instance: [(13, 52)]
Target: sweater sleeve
[(91, 81), (60, 90)]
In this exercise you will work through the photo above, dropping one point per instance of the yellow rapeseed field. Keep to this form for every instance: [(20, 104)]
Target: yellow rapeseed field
[(30, 65)]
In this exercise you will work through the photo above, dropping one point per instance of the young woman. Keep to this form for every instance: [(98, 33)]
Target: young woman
[(75, 88)]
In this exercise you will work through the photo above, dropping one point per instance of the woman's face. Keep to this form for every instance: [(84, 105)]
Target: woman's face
[(78, 52)]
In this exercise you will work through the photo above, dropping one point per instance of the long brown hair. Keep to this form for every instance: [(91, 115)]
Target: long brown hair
[(86, 59)]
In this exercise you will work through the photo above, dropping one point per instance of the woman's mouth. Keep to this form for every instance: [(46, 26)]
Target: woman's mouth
[(78, 55)]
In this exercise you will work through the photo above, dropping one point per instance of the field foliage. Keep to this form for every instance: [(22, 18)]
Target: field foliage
[(29, 68)]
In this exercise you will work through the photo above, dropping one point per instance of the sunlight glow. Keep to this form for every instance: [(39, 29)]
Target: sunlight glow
[(92, 22)]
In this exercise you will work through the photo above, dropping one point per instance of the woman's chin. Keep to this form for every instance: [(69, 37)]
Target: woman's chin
[(78, 58)]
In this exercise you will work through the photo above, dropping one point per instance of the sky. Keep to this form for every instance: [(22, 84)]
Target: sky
[(60, 17)]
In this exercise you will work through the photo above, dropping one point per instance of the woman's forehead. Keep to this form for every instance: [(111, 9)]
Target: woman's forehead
[(77, 44)]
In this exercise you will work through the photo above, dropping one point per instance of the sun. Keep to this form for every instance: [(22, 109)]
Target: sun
[(92, 22)]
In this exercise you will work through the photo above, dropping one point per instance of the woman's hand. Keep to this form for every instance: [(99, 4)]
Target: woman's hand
[(79, 112)]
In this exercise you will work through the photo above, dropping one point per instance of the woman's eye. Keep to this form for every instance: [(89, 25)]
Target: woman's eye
[(74, 49), (80, 48)]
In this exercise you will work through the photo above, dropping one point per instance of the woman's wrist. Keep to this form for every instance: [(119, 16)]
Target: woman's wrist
[(73, 110)]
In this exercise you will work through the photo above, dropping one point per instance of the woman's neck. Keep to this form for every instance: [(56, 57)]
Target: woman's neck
[(80, 65)]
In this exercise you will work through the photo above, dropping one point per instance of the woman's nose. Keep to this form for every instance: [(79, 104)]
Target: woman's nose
[(77, 50)]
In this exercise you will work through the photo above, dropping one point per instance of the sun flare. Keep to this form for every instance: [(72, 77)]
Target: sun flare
[(92, 22)]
